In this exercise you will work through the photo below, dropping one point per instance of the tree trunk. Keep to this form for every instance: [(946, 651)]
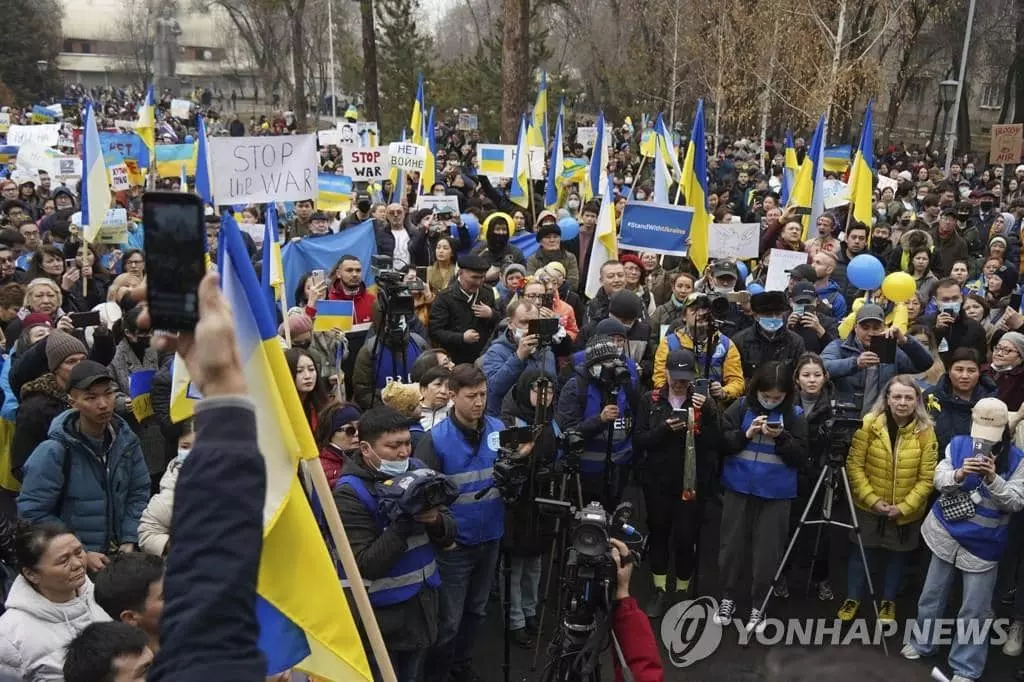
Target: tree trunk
[(371, 98), (514, 69), (297, 16)]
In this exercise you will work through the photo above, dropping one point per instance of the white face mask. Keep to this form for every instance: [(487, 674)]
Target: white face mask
[(183, 454), (768, 404)]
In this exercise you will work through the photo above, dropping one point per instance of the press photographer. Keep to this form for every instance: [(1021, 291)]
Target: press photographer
[(600, 399), (675, 441), (396, 556)]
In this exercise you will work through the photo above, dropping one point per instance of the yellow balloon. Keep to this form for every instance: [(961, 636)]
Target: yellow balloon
[(899, 287)]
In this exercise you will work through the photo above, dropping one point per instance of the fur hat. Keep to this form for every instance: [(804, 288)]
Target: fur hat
[(402, 397)]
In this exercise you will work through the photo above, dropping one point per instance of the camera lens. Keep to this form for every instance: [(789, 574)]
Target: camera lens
[(590, 540)]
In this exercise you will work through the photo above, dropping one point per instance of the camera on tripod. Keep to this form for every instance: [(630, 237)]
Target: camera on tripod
[(839, 430), (394, 295)]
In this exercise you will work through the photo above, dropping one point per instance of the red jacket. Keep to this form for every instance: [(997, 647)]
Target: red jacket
[(332, 459), (633, 630), (363, 301)]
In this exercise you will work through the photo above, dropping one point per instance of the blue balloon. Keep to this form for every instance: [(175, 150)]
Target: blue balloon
[(744, 270), (754, 288), (189, 139), (865, 272), (570, 228), (472, 226)]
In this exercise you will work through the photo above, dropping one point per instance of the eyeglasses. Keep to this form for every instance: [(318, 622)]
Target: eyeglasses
[(534, 297), (349, 430), (1005, 350)]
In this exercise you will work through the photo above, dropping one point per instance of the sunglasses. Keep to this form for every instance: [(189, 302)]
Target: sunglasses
[(349, 430)]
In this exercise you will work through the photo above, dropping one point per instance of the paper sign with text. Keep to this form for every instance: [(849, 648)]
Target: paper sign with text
[(780, 263), (447, 203), (365, 163), (181, 108), (655, 227), (119, 178), (258, 170), (1005, 147), (407, 156), (734, 240), (47, 135)]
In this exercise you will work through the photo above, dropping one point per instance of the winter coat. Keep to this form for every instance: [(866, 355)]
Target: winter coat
[(411, 624), (451, 315), (362, 302), (1009, 386), (665, 315), (34, 631), (632, 627), (126, 362), (155, 524), (840, 358), (333, 461), (541, 258), (660, 450), (41, 401), (102, 502), (903, 478), (638, 344), (731, 365), (948, 251), (503, 367), (756, 348), (952, 415)]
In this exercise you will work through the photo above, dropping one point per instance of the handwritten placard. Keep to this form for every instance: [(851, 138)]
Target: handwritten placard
[(780, 263), (734, 240), (407, 156), (1005, 147), (259, 170), (365, 163), (46, 135)]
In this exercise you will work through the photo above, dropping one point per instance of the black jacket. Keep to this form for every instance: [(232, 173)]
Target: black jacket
[(30, 363), (660, 450), (386, 242), (756, 348), (963, 332), (208, 630), (638, 344), (41, 400), (451, 315), (812, 342), (411, 624)]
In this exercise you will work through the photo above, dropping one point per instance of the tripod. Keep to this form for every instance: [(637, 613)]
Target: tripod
[(828, 482), (397, 340)]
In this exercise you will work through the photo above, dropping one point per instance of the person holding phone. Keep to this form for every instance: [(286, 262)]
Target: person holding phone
[(90, 269), (982, 470), (513, 352), (764, 437), (890, 468), (953, 329)]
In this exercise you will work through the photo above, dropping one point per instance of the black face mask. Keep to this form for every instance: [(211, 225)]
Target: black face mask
[(496, 241), (363, 207), (880, 244), (986, 205), (300, 344)]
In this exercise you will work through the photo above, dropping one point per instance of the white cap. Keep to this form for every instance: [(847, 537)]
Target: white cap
[(1020, 168), (989, 419), (905, 176)]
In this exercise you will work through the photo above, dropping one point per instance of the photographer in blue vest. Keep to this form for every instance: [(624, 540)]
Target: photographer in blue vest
[(397, 559), (981, 484), (464, 448), (600, 400), (385, 356)]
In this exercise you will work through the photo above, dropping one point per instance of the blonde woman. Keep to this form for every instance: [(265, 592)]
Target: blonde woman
[(891, 467)]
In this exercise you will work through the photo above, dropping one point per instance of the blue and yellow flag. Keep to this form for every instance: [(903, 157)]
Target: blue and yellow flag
[(519, 189), (537, 135), (553, 189), (323, 253), (668, 148), (803, 187), (429, 166), (598, 163), (334, 192), (694, 186), (140, 387), (418, 108), (491, 161), (146, 126), (171, 157), (862, 176), (789, 169), (837, 159), (272, 271), (204, 183), (304, 617), (334, 315)]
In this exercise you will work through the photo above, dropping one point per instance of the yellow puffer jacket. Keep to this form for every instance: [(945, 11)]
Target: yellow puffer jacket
[(904, 479)]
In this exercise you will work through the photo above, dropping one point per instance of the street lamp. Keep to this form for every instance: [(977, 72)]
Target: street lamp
[(947, 96)]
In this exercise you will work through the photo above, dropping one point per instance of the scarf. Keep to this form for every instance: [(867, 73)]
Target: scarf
[(690, 455)]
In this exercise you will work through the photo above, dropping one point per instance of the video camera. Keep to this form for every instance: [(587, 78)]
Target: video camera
[(393, 293), (839, 430), (614, 373), (410, 493), (717, 304), (512, 471)]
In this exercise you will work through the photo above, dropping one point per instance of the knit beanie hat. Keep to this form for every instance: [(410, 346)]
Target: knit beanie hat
[(36, 320), (345, 414), (402, 397), (297, 324), (1017, 339), (59, 346), (599, 349)]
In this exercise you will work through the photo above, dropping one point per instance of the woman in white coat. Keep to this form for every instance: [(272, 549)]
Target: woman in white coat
[(155, 523), (50, 603)]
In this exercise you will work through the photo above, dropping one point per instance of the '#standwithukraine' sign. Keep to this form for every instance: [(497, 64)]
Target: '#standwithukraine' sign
[(654, 227)]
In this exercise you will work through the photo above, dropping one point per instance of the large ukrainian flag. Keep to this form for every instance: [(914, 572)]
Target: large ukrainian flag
[(304, 616)]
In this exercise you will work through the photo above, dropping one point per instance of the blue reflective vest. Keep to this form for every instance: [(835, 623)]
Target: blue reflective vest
[(414, 569), (595, 449), (757, 470), (472, 470), (387, 362), (717, 359), (986, 533)]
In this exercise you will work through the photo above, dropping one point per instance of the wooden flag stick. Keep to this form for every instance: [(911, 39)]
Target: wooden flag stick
[(315, 470), (83, 254)]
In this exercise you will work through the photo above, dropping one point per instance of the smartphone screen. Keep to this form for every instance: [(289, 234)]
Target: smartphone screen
[(86, 319), (421, 273), (175, 257), (1015, 301)]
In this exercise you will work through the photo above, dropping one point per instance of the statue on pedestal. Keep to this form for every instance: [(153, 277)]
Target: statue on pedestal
[(165, 51)]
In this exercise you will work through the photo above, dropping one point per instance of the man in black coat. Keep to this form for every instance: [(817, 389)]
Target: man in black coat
[(768, 339), (809, 318), (463, 316), (953, 329)]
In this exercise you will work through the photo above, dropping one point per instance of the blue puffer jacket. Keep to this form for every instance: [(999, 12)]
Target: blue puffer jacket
[(840, 358), (503, 367), (101, 505)]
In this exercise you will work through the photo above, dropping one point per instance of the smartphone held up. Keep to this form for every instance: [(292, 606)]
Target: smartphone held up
[(175, 258)]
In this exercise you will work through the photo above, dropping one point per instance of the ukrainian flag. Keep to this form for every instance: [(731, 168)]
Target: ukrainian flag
[(41, 114), (519, 191), (553, 190), (416, 120), (861, 177), (95, 193), (598, 163), (803, 187), (140, 387), (183, 394), (8, 153), (334, 315), (538, 132), (304, 616), (789, 169), (429, 172), (334, 192), (204, 183), (171, 157), (8, 415), (604, 246), (491, 161), (272, 271), (322, 253), (668, 148), (837, 159), (574, 170), (146, 126), (694, 185)]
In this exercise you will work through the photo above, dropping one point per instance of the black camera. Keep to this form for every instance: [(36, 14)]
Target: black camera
[(839, 430), (393, 291), (614, 373), (410, 493)]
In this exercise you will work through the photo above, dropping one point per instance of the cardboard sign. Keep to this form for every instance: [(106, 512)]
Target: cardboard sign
[(1005, 147), (115, 227), (780, 263), (181, 108), (734, 240), (329, 138), (47, 135), (445, 204), (407, 156), (468, 122), (119, 178), (365, 163), (259, 170)]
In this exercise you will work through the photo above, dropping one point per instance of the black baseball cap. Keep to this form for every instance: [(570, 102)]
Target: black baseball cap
[(682, 365), (803, 292), (87, 373), (474, 263), (804, 272)]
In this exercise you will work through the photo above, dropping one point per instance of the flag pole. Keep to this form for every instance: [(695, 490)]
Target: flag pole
[(83, 254), (636, 177), (284, 315), (315, 470)]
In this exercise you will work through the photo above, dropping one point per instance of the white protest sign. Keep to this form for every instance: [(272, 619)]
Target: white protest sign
[(254, 230), (835, 193), (114, 229), (587, 136), (329, 138), (57, 109), (468, 122), (887, 183), (508, 155), (441, 204), (365, 163), (70, 167), (33, 158), (119, 178), (348, 133), (258, 170), (181, 108), (5, 122), (407, 156), (734, 240), (780, 263), (46, 135)]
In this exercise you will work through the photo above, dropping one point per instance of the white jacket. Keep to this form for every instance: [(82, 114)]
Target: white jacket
[(34, 631), (155, 523)]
